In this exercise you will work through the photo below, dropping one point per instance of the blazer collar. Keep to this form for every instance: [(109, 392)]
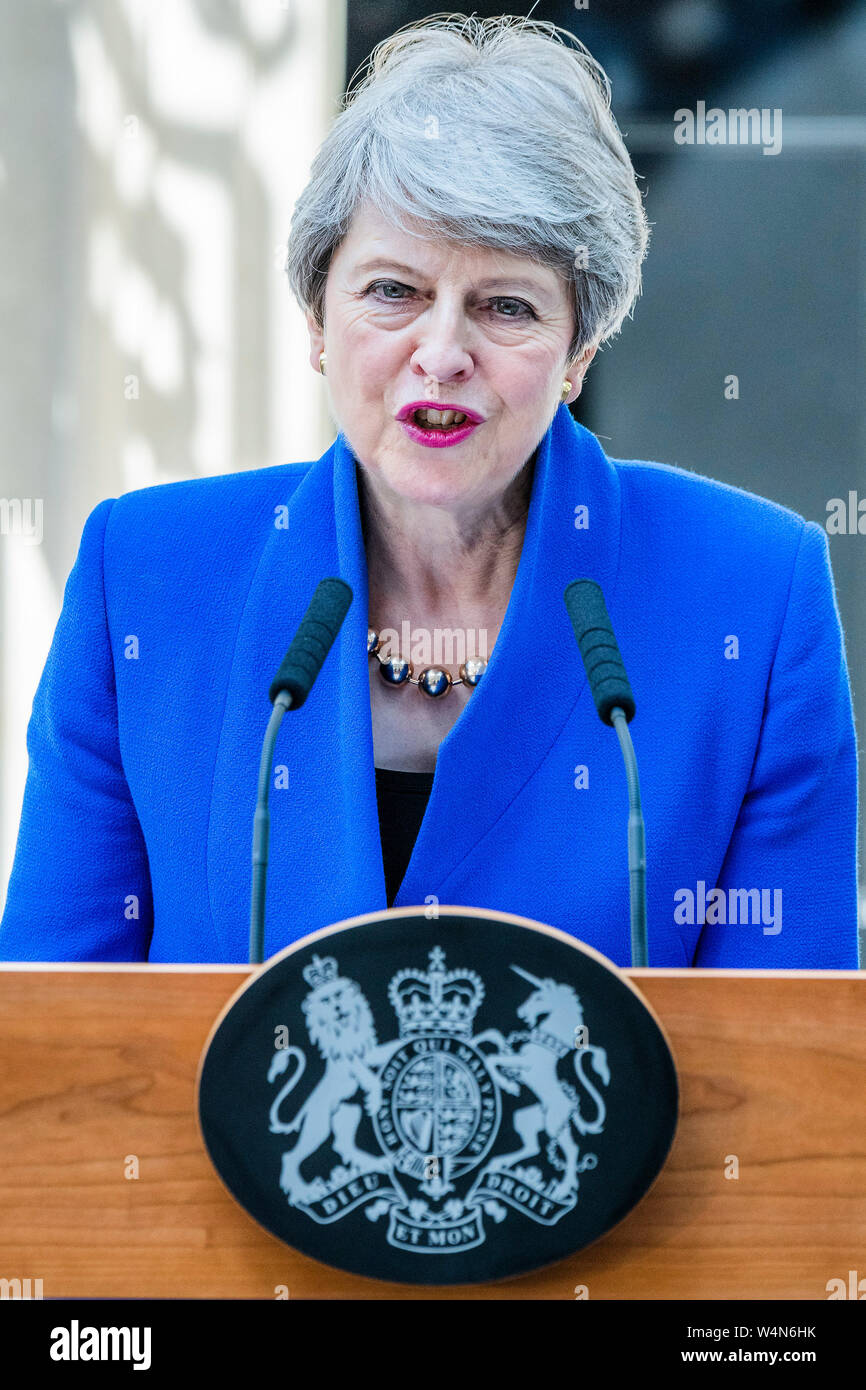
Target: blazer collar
[(325, 850)]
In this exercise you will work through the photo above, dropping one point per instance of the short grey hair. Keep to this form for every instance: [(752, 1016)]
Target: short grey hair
[(490, 133)]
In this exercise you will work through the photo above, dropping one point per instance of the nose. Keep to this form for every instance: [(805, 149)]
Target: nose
[(443, 341)]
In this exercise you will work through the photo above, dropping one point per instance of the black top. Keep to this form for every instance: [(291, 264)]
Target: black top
[(402, 800)]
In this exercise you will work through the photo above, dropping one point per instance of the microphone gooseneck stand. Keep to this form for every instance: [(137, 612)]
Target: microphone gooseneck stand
[(289, 689), (615, 704)]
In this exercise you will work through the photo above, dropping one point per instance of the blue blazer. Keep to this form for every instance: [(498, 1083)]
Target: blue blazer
[(144, 742)]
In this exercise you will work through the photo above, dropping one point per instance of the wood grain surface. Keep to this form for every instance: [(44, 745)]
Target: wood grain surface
[(99, 1062)]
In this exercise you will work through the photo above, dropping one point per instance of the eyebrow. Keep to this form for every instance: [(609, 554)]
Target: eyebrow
[(516, 281)]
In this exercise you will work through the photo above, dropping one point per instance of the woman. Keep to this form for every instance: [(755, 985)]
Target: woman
[(471, 233)]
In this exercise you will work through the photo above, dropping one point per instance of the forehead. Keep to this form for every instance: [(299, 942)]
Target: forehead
[(375, 244)]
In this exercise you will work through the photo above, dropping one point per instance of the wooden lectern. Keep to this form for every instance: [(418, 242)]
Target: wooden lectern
[(98, 1066)]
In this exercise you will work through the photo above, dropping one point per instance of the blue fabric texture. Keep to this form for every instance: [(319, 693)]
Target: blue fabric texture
[(144, 741)]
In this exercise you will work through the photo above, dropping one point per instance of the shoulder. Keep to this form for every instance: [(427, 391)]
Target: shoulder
[(701, 525), (210, 517), (232, 497), (705, 555), (682, 493)]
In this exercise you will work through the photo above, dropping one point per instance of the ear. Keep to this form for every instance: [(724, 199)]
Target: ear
[(317, 341), (577, 371)]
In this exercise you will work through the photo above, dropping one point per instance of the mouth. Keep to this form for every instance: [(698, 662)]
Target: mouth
[(438, 426)]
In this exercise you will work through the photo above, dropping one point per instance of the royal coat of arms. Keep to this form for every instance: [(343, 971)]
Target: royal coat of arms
[(446, 1151)]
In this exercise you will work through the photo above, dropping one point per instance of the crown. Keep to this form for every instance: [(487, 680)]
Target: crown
[(435, 1001), (320, 972)]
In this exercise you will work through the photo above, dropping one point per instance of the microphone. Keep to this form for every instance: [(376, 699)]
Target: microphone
[(289, 689), (312, 641), (614, 701), (604, 666)]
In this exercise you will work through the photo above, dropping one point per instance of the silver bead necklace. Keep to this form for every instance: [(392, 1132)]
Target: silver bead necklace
[(435, 681)]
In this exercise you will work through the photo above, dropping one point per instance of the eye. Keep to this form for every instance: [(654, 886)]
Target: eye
[(522, 309), (387, 284), (518, 309)]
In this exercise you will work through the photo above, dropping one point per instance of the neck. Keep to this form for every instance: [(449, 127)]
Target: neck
[(425, 560)]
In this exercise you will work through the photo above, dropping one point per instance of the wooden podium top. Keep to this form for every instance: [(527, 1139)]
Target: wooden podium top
[(98, 1066)]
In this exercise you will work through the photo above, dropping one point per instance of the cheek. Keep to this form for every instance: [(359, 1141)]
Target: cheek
[(374, 359), (530, 365), (523, 386)]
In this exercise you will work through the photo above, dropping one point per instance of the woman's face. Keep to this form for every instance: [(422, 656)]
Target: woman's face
[(410, 320)]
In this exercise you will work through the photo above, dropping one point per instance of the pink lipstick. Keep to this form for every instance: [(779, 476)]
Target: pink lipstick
[(437, 436)]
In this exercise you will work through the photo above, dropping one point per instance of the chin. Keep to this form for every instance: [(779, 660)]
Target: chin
[(429, 481), (429, 491)]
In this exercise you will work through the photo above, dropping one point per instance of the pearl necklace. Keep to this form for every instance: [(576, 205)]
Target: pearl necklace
[(435, 681)]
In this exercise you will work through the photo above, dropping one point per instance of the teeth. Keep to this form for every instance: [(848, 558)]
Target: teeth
[(427, 415)]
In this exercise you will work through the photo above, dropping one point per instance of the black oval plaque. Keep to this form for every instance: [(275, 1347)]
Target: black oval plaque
[(440, 1099)]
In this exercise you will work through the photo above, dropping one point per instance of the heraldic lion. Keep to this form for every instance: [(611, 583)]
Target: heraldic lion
[(340, 1024)]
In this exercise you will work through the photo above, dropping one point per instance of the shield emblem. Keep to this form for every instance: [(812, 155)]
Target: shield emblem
[(454, 1098)]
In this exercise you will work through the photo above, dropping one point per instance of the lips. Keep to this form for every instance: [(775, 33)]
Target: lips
[(408, 411), (431, 438)]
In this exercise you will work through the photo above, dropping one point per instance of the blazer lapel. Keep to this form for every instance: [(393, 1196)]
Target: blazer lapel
[(325, 860)]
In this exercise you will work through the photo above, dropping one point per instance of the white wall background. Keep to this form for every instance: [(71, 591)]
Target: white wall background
[(151, 152)]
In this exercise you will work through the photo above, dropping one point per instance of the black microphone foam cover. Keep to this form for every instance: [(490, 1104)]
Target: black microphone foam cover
[(312, 641), (601, 657)]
